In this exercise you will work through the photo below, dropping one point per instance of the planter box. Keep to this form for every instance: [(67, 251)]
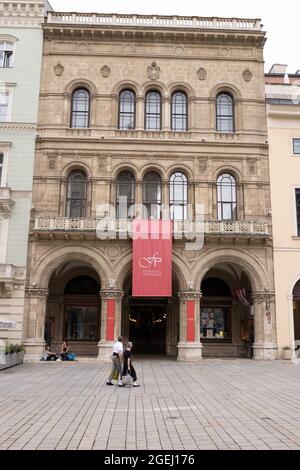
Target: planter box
[(12, 360)]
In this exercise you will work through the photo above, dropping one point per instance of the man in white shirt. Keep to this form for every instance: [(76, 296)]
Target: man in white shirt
[(117, 359)]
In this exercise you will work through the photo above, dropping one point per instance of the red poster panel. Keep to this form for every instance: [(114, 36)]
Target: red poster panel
[(152, 258), (190, 321), (111, 306)]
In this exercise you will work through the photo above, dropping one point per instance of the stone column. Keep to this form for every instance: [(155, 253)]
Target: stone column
[(34, 325), (138, 198), (140, 119), (111, 316), (166, 114), (165, 200), (189, 346), (265, 342)]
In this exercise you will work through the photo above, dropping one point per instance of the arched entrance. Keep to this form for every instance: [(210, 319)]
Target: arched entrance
[(152, 324), (74, 309), (226, 319), (296, 311)]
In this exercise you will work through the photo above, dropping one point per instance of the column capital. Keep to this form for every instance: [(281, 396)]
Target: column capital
[(186, 295), (35, 291), (263, 296), (112, 294)]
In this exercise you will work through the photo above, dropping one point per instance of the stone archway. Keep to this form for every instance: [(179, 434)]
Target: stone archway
[(260, 294)]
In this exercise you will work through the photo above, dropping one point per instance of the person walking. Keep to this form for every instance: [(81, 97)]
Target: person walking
[(117, 358), (127, 366)]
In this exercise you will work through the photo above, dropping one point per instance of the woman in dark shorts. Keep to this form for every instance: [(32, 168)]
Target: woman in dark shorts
[(127, 364)]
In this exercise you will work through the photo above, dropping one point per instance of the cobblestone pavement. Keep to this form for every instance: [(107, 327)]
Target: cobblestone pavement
[(216, 404)]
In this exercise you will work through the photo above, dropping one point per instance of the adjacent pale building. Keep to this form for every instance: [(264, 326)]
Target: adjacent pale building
[(21, 41), (283, 106)]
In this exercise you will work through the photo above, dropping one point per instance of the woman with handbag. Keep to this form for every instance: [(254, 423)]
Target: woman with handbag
[(127, 365)]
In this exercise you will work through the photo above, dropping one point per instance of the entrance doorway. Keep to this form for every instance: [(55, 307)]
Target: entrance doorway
[(151, 324), (147, 325)]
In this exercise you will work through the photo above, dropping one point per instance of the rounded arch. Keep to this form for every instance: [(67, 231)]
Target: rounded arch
[(80, 83), (181, 168), (254, 270), (127, 85), (179, 268), (125, 167), (231, 170), (155, 167), (228, 88), (156, 86), (8, 37), (76, 165), (292, 286), (55, 258), (182, 87)]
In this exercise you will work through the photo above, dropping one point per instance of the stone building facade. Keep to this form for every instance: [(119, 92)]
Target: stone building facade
[(21, 40), (169, 111)]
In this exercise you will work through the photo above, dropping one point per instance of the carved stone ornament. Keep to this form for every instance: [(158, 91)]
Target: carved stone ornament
[(59, 70), (202, 73), (247, 75), (105, 71), (224, 51), (101, 164), (202, 166), (52, 164), (153, 71)]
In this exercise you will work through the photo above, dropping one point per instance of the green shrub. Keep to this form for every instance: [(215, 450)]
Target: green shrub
[(13, 348)]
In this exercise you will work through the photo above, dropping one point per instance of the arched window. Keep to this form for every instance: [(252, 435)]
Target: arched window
[(127, 110), (6, 54), (152, 195), (80, 109), (76, 194), (125, 195), (179, 112), (153, 111), (226, 189), (178, 196), (225, 113)]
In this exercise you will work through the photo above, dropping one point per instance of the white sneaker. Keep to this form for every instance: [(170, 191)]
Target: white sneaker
[(120, 384)]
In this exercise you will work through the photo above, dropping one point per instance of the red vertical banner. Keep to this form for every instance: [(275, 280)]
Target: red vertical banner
[(190, 321), (110, 326), (152, 258)]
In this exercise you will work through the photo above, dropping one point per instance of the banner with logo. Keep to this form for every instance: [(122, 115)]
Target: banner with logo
[(152, 258)]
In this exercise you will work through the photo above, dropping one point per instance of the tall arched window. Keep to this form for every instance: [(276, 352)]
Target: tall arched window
[(76, 194), (179, 112), (225, 113), (80, 109), (153, 111), (152, 195), (226, 189), (178, 196), (127, 110), (125, 195)]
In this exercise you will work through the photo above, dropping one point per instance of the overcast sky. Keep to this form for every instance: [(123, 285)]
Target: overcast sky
[(280, 19)]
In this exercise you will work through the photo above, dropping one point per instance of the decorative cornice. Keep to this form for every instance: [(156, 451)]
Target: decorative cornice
[(263, 296), (17, 125), (11, 278), (22, 14)]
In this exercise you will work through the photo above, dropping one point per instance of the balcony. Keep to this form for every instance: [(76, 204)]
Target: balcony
[(87, 228), (11, 277), (150, 21)]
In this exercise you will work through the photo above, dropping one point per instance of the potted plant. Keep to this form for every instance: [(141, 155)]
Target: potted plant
[(14, 354), (286, 352)]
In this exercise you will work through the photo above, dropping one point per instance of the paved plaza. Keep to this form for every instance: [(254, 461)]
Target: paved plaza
[(215, 404)]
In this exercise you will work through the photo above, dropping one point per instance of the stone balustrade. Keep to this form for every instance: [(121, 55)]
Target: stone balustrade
[(65, 224), (193, 22)]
